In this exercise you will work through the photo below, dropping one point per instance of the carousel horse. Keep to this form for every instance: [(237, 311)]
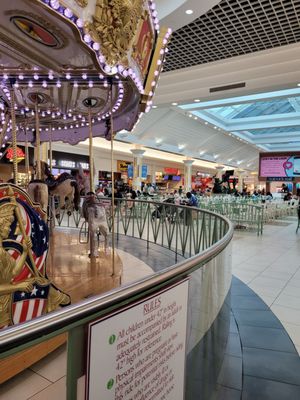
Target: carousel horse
[(64, 187), (95, 216)]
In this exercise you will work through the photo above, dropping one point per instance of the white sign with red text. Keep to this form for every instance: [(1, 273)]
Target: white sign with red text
[(138, 353)]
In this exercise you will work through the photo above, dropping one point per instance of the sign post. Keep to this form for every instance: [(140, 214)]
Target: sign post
[(143, 346)]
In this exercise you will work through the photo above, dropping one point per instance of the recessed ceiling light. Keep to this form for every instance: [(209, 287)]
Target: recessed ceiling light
[(196, 100), (174, 104), (189, 12)]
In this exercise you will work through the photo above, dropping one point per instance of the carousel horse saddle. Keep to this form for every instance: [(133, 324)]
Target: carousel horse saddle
[(53, 183)]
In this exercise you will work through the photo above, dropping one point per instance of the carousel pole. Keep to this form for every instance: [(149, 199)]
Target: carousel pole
[(91, 152), (50, 149), (112, 178), (38, 141), (14, 135), (26, 150)]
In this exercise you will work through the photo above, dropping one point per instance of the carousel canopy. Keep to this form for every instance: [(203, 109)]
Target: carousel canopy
[(63, 60)]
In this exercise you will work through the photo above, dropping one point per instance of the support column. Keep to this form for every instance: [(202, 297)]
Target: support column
[(188, 175), (240, 178), (219, 169), (137, 168)]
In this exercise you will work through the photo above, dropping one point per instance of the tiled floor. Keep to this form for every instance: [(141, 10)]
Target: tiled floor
[(270, 265), (261, 361)]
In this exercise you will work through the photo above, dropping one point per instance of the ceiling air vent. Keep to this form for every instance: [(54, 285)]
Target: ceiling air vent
[(227, 87)]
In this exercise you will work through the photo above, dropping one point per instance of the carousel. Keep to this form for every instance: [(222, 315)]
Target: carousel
[(70, 70)]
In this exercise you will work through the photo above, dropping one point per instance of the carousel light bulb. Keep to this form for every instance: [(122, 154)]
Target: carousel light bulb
[(36, 77), (87, 38), (22, 112), (68, 13), (50, 75), (105, 84), (71, 126), (65, 127), (21, 77), (44, 84), (101, 76), (48, 112), (47, 129), (84, 76), (5, 76), (53, 116), (53, 129), (26, 109), (114, 70), (30, 84), (16, 85), (58, 113), (79, 23), (157, 27), (107, 69), (64, 117), (74, 118), (43, 114), (82, 124), (77, 126), (59, 128), (96, 46), (32, 113), (102, 59), (69, 114), (54, 4), (58, 84), (91, 84), (68, 75), (75, 84), (6, 137)]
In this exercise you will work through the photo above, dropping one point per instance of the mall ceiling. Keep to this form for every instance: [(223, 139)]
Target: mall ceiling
[(238, 48), (232, 28)]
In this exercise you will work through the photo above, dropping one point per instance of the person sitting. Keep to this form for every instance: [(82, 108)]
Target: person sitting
[(192, 200), (269, 196)]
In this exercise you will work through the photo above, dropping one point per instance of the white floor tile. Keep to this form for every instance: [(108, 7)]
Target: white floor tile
[(288, 301), (57, 391), (286, 314), (23, 386), (54, 366), (294, 332)]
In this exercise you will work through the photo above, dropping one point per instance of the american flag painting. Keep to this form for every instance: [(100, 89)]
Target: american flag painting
[(37, 230), (26, 306)]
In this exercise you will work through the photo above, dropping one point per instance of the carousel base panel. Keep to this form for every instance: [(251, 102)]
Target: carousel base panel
[(73, 271)]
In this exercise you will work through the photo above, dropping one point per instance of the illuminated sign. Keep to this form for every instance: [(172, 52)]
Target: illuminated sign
[(67, 163), (10, 155)]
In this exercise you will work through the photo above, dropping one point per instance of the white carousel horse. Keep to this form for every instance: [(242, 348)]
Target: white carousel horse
[(64, 187), (95, 216)]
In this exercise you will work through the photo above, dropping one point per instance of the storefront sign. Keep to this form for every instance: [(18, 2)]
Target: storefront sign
[(278, 179), (171, 171), (139, 351), (122, 166)]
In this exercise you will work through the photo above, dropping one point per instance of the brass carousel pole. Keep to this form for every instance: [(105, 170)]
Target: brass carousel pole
[(91, 153), (50, 149), (112, 179), (38, 142), (14, 135), (26, 150)]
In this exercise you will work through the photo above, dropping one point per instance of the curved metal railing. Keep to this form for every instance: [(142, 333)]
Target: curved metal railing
[(197, 234)]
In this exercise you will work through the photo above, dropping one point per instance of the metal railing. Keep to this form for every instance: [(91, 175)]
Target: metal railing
[(197, 234)]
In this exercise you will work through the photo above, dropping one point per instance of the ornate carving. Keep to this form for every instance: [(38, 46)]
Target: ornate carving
[(114, 26), (82, 3), (21, 280)]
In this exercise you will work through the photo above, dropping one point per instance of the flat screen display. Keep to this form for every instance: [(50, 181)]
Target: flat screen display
[(280, 166)]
